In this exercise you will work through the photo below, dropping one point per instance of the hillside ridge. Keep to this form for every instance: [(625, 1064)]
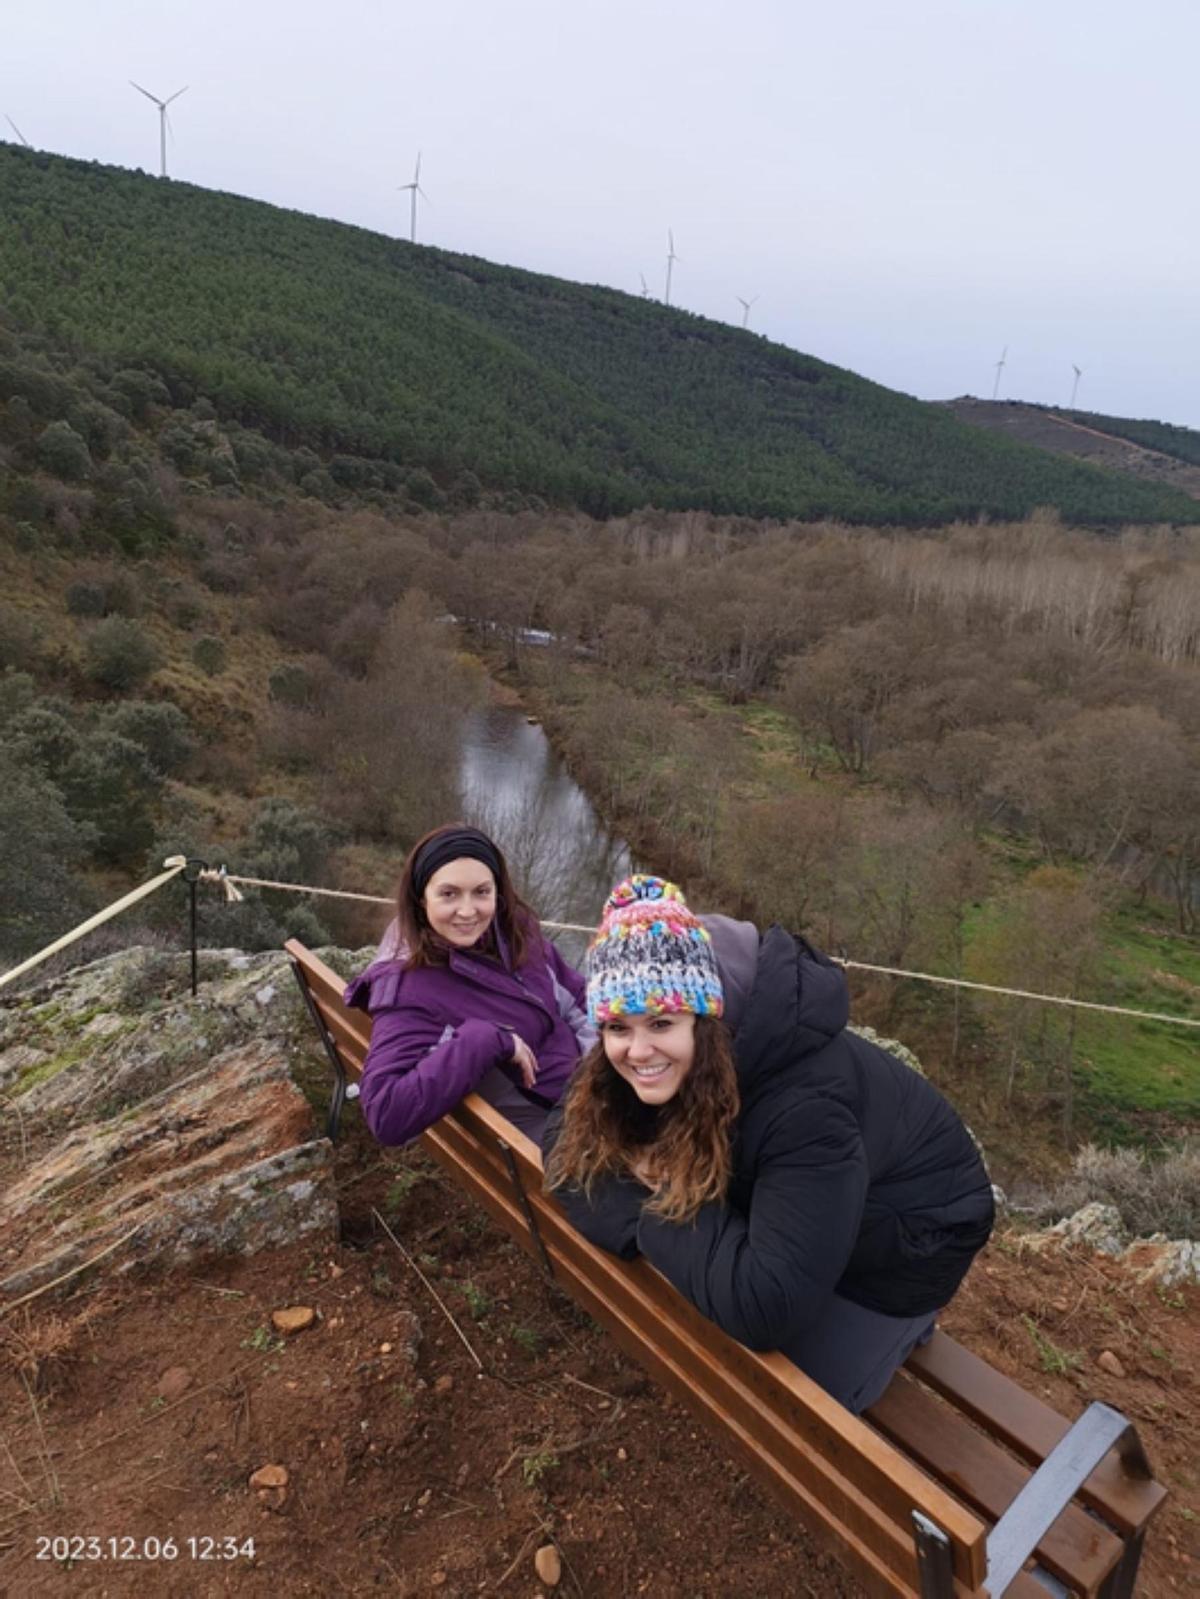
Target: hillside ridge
[(1121, 444), (320, 333)]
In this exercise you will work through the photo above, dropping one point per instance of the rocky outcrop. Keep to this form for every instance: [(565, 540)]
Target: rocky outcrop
[(147, 1125), (1157, 1259)]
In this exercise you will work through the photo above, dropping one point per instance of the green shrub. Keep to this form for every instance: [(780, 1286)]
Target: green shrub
[(39, 844), (210, 655), (292, 685), (17, 693), (86, 598), (119, 654), (110, 787), (18, 639), (43, 736), (158, 728), (62, 452), (104, 592)]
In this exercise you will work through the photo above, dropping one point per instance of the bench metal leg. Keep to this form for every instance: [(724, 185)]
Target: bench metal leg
[(935, 1560), (523, 1199), (1119, 1584), (335, 1060)]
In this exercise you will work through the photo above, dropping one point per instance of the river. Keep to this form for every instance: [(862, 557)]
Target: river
[(515, 787)]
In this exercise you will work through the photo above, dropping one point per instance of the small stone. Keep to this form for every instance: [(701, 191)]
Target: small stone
[(293, 1319), (385, 1349), (1060, 1305), (335, 1270), (423, 1499), (174, 1383), (622, 1454), (548, 1565), (1108, 1362), (444, 1384), (269, 1477), (436, 1579)]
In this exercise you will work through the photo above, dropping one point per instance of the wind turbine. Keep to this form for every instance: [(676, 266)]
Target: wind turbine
[(415, 189), (645, 286), (18, 133), (671, 259), (1078, 371), (745, 305), (163, 119), (999, 369)]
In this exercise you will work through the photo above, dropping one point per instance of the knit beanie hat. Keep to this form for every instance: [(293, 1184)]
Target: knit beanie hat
[(651, 956)]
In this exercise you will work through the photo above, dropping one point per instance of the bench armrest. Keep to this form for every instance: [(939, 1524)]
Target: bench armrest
[(1053, 1485)]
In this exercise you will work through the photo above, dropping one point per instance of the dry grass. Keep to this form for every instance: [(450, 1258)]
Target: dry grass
[(1152, 1195), (40, 1350)]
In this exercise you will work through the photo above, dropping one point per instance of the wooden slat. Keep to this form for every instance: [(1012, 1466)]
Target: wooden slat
[(788, 1415), (1078, 1549), (1030, 1428)]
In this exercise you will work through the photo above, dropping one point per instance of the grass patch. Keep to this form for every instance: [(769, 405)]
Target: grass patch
[(1053, 1359)]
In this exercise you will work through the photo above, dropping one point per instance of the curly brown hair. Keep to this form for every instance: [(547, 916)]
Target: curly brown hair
[(691, 1150), (518, 924)]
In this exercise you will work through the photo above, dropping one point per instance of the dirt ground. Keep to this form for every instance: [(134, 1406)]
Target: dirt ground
[(138, 1409)]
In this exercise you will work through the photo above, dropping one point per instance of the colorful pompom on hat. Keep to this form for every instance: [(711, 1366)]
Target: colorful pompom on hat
[(651, 956)]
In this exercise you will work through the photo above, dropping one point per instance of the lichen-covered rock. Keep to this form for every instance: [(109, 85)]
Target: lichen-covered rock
[(166, 1125), (1164, 1260), (225, 1162), (892, 1045), (1098, 1226)]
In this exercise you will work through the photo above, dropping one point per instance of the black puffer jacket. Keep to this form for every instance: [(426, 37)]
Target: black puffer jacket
[(851, 1173)]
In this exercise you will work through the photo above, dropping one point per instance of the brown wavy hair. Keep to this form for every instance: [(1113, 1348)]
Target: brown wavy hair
[(692, 1147), (517, 922)]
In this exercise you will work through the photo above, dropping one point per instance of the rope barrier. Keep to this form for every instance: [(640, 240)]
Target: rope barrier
[(226, 880), (174, 865), (1024, 993)]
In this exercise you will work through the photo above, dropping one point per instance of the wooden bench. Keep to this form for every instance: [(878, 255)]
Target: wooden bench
[(957, 1483)]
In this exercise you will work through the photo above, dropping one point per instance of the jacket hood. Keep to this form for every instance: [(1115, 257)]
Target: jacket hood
[(799, 1001)]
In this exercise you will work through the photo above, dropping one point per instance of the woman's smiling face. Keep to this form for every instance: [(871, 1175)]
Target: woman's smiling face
[(460, 901), (652, 1053)]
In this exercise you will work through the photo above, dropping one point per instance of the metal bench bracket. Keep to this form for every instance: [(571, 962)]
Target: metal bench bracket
[(510, 1161), (331, 1049), (1052, 1487)]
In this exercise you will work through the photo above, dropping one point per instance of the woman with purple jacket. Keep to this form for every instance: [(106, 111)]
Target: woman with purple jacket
[(471, 997)]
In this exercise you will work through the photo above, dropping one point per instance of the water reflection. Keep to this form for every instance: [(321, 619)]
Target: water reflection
[(516, 789)]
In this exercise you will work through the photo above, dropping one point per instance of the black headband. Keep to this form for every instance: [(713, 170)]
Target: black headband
[(454, 845)]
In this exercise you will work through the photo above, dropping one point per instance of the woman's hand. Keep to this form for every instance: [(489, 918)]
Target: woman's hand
[(524, 1060)]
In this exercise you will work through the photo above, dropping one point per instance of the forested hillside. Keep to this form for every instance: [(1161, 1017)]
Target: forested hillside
[(1183, 443), (402, 367)]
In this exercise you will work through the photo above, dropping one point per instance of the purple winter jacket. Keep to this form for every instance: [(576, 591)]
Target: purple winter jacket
[(439, 1032)]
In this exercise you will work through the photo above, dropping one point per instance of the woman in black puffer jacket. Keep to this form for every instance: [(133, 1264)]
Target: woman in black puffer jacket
[(802, 1187)]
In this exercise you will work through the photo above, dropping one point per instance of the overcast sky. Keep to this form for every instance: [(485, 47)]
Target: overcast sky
[(907, 186)]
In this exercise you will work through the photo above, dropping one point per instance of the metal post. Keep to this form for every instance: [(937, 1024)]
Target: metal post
[(510, 1160), (340, 1086), (191, 876), (935, 1560)]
